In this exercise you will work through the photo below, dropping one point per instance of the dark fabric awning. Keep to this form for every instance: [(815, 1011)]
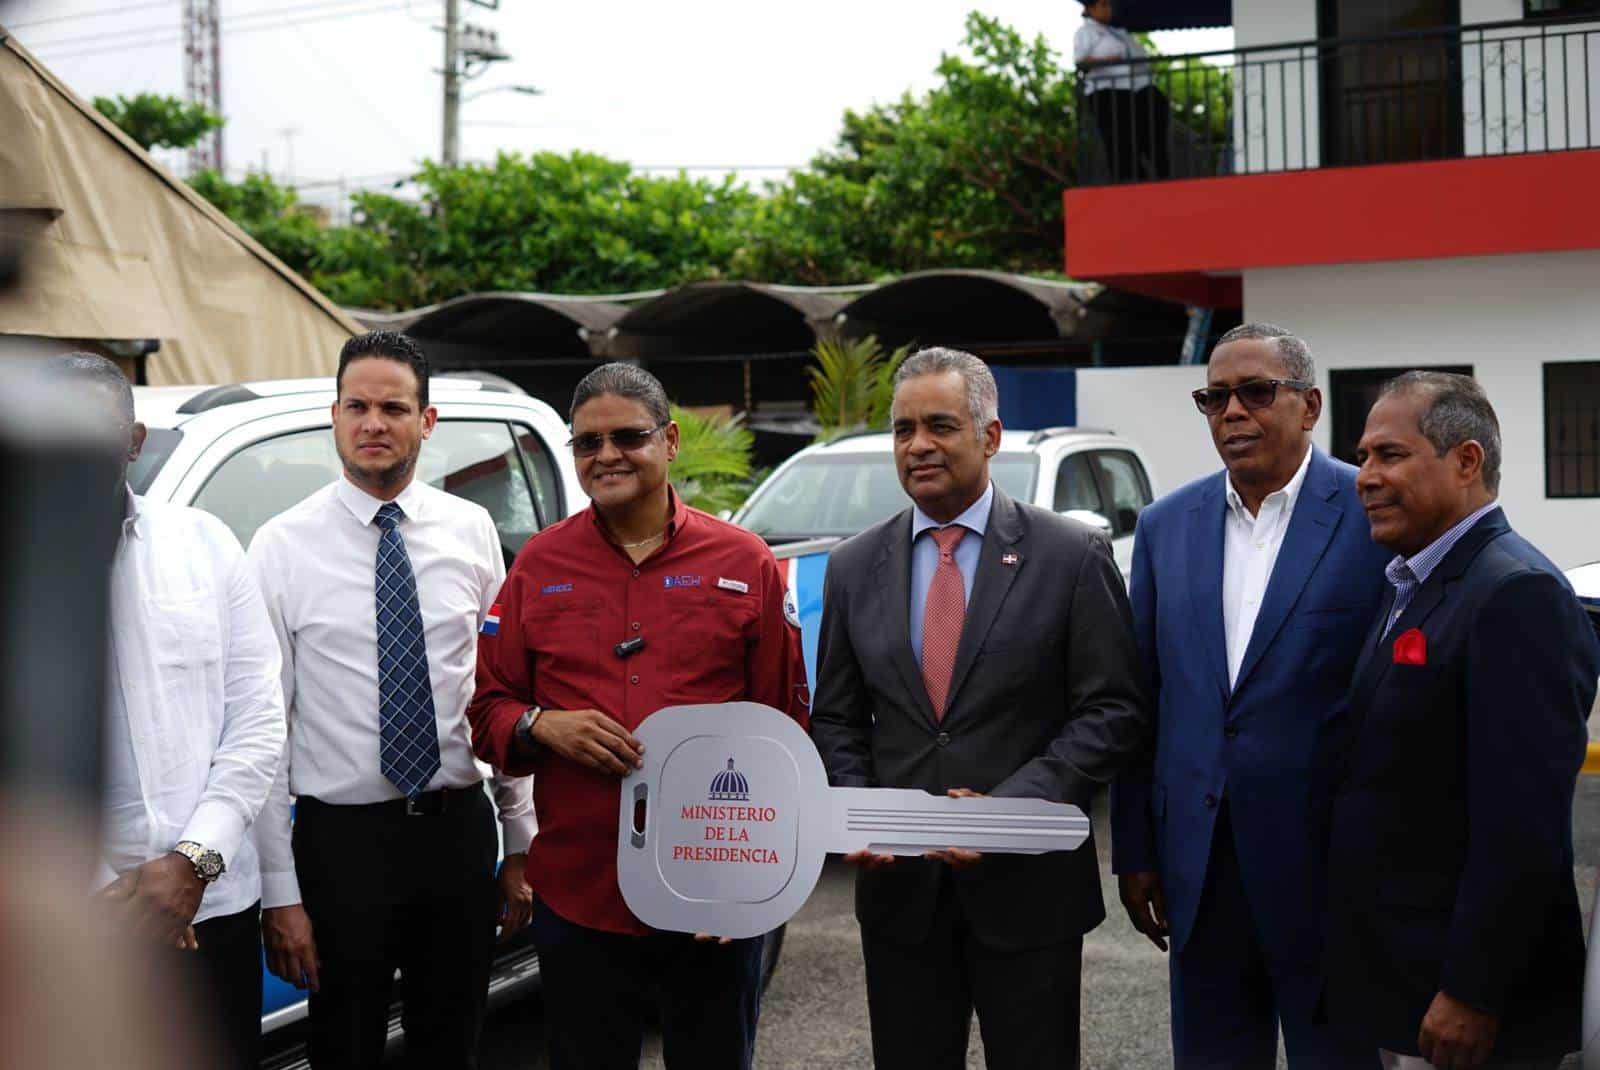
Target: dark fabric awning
[(1142, 16)]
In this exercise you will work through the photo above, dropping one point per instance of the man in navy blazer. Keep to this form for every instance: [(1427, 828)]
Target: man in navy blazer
[(1251, 590), (1453, 927)]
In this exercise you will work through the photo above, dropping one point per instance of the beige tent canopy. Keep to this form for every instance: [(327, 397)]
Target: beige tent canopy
[(116, 249)]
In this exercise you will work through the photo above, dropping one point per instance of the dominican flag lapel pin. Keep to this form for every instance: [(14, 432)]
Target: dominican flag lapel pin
[(491, 623), (1009, 558), (1411, 648)]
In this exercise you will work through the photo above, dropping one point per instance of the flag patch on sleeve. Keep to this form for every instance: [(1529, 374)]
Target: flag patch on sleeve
[(491, 623)]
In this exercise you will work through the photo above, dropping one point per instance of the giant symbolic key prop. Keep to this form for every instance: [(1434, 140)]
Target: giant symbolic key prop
[(725, 828)]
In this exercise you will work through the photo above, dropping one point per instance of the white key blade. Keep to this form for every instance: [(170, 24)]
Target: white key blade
[(905, 821)]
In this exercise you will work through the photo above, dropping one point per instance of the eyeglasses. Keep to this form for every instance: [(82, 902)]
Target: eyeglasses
[(1256, 394), (626, 439)]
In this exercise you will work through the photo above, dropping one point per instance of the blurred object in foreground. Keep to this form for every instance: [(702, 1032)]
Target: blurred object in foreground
[(74, 990), (56, 541)]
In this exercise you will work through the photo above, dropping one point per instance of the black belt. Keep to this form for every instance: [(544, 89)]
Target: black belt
[(428, 804)]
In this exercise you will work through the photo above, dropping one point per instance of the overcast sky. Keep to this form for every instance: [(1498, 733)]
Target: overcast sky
[(351, 88)]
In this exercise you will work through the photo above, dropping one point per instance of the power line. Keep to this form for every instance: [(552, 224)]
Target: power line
[(226, 30), (92, 14), (233, 19)]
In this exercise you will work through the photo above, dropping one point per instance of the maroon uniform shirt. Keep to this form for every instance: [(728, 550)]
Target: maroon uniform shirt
[(710, 606)]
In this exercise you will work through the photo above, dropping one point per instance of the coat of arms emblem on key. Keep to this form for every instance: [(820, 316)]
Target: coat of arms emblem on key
[(725, 828)]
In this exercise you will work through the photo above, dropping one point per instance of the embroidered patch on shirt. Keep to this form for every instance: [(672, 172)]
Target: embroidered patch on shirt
[(556, 588), (733, 585), (680, 581), (491, 623), (791, 608)]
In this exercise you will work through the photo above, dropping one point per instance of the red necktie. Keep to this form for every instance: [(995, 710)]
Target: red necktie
[(942, 616)]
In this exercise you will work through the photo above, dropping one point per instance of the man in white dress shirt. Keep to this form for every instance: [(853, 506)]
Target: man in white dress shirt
[(194, 726), (377, 585)]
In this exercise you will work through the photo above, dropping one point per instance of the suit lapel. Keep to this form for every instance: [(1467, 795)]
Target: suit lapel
[(894, 581), (1204, 567), (1377, 653), (1311, 528), (989, 587)]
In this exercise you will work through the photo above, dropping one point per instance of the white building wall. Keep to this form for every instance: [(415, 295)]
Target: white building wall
[(1151, 407), (1275, 125), (1506, 316)]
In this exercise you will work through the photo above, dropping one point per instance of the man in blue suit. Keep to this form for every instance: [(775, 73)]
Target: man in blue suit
[(1251, 590), (1454, 934)]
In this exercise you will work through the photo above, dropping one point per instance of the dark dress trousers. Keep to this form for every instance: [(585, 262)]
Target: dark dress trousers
[(1450, 863), (1044, 702)]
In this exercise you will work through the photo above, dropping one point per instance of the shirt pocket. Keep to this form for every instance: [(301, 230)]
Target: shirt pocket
[(709, 635), (566, 632), (186, 647)]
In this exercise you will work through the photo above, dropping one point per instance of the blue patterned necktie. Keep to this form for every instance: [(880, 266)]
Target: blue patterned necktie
[(408, 734)]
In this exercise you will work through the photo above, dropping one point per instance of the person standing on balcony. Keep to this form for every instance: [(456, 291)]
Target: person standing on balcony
[(1129, 111), (1250, 591)]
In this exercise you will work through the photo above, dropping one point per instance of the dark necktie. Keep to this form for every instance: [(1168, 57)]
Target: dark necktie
[(408, 733)]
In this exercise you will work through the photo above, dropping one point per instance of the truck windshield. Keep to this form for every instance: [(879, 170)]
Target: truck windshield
[(841, 494)]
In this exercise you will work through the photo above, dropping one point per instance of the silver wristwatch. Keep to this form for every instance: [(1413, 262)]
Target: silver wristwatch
[(208, 864)]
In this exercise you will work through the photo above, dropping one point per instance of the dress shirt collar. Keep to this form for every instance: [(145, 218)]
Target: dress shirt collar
[(364, 507), (1289, 493), (677, 513), (1418, 567), (132, 513), (975, 519)]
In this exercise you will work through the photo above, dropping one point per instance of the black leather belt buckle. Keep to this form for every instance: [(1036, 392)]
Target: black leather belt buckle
[(428, 804)]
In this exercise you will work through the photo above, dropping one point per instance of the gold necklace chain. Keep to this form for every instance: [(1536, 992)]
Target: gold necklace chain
[(644, 542)]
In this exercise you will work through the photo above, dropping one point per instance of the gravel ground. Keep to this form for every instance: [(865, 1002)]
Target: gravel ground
[(815, 1014)]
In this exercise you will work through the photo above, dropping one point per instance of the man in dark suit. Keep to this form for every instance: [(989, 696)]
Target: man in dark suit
[(1453, 924), (972, 644), (1250, 590)]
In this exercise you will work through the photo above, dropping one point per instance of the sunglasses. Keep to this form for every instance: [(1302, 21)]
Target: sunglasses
[(626, 439), (1256, 394)]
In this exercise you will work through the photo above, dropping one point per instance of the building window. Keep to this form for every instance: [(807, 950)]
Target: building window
[(1351, 395), (1572, 430), (1544, 9)]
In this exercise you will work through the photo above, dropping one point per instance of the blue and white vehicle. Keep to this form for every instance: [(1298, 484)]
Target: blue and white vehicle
[(247, 452)]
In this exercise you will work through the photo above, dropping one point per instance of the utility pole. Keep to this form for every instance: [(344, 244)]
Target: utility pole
[(450, 155), (202, 75), (468, 52)]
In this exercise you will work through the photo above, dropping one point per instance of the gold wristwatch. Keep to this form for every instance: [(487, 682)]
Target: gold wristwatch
[(208, 864)]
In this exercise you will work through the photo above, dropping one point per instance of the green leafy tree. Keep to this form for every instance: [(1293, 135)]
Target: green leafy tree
[(968, 174), (852, 385), (712, 469), (159, 122)]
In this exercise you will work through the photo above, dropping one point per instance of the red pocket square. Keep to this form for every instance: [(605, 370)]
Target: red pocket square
[(1411, 648)]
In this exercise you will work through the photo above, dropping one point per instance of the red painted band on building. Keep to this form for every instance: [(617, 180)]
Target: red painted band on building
[(1163, 238)]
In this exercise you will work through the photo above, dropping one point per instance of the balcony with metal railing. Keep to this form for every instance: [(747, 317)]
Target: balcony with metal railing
[(1457, 141), (1484, 90)]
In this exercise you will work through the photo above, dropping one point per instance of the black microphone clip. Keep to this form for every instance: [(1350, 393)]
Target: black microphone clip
[(629, 648)]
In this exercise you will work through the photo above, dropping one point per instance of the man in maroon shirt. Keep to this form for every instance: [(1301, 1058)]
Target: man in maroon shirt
[(618, 611)]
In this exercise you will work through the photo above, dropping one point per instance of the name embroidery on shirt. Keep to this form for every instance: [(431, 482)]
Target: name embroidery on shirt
[(556, 588), (680, 581), (733, 585)]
